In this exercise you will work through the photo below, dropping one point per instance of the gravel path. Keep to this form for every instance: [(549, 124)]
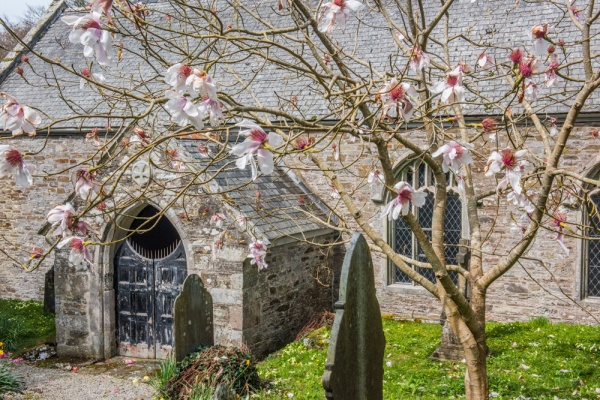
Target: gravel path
[(88, 383)]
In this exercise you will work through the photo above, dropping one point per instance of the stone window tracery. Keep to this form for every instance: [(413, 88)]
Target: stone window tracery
[(591, 247), (420, 177)]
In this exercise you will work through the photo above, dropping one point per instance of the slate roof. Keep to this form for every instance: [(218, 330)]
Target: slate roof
[(505, 23), (285, 207)]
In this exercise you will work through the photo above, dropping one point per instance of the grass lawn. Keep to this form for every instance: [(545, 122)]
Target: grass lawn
[(535, 359), (24, 324)]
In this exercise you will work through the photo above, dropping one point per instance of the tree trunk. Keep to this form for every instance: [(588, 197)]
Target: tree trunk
[(476, 378)]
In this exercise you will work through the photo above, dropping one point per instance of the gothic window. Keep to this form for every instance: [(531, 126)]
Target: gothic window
[(420, 177), (591, 248)]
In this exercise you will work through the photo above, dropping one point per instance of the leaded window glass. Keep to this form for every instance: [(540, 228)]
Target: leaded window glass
[(421, 178), (591, 263)]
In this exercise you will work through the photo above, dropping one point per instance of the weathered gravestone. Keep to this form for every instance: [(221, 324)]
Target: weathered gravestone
[(354, 368), (49, 296), (193, 318)]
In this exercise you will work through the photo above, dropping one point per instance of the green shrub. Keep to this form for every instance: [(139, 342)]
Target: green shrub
[(9, 382)]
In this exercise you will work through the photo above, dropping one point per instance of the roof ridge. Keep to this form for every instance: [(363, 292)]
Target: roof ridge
[(54, 10)]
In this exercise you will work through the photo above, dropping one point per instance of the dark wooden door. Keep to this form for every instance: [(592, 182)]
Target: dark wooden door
[(147, 284)]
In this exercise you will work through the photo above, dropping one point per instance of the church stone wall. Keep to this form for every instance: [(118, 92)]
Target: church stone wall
[(298, 285), (551, 289), (23, 210)]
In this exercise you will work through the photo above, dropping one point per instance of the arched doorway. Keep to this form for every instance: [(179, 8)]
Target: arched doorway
[(150, 267)]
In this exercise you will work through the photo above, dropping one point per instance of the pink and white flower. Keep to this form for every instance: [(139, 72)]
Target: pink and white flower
[(201, 84), (419, 60), (451, 88), (79, 250), (93, 136), (577, 13), (485, 61), (538, 33), (85, 184), (182, 110), (18, 118), (204, 151), (86, 72), (400, 205), (531, 90), (550, 77), (177, 76), (88, 31), (454, 155), (218, 219), (61, 217), (396, 101), (512, 163), (259, 142), (11, 163), (375, 175), (258, 252), (521, 200), (553, 127), (212, 108), (102, 6), (559, 221), (338, 11)]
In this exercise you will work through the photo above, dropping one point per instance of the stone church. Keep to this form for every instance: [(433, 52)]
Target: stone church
[(123, 303)]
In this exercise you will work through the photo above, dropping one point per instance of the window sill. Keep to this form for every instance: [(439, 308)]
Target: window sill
[(401, 288), (591, 300)]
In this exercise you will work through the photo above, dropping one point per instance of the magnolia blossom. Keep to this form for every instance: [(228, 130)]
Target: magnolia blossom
[(212, 108), (338, 11), (455, 155), (516, 56), (558, 220), (451, 88), (182, 110), (93, 136), (87, 74), (18, 118), (242, 221), (11, 163), (512, 163), (257, 141), (85, 184), (396, 101), (490, 126), (550, 77), (100, 6), (485, 61), (375, 175), (79, 250), (400, 205), (531, 90), (199, 83), (335, 151), (553, 127), (419, 60), (538, 33), (577, 13), (258, 252), (177, 76), (204, 151), (528, 66), (88, 32), (218, 219), (521, 200), (61, 217), (333, 192)]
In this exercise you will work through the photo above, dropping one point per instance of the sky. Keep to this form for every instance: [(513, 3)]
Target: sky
[(14, 9)]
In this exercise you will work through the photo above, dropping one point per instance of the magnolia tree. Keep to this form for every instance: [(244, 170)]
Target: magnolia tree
[(295, 80)]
